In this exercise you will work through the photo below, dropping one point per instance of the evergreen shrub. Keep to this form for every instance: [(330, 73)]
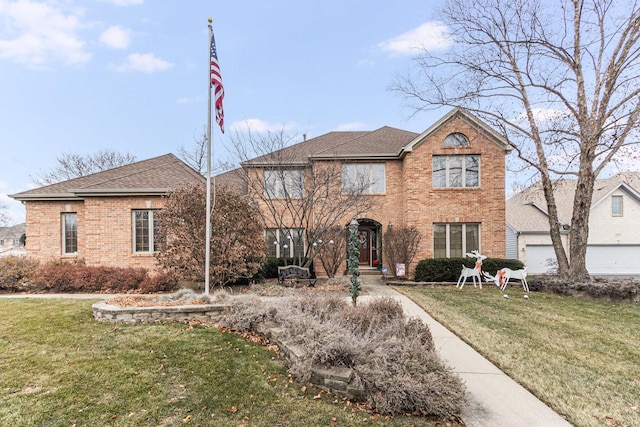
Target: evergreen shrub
[(448, 269)]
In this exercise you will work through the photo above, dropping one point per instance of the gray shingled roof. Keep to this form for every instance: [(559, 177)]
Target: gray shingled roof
[(233, 178), (381, 143), (527, 210), (154, 176)]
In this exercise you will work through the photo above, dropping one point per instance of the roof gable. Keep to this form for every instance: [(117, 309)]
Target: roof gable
[(495, 137), (155, 176), (525, 208)]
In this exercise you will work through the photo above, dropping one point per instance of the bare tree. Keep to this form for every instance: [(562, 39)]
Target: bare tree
[(332, 254), (72, 165), (294, 192), (561, 80), (401, 245), (4, 217), (196, 155)]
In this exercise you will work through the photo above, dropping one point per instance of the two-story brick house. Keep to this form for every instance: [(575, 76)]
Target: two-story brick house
[(448, 182), (106, 218)]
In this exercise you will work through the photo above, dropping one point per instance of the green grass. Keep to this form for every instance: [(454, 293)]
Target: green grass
[(581, 357), (60, 367)]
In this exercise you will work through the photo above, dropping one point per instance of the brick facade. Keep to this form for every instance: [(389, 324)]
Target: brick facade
[(410, 198), (104, 203), (105, 230), (106, 200)]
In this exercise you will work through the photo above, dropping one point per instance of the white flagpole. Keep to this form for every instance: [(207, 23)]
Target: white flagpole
[(207, 246)]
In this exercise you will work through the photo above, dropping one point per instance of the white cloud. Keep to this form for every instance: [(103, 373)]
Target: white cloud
[(431, 35), (116, 37), (351, 126), (37, 34), (144, 63)]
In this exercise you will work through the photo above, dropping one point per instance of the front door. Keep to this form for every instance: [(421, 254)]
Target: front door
[(365, 246)]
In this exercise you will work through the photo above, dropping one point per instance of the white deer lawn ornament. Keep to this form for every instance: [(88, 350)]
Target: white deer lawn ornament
[(472, 272), (502, 277)]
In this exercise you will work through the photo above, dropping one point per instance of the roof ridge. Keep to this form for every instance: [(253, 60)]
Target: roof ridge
[(129, 166)]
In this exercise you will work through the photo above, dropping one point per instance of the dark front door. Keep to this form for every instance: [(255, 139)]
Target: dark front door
[(365, 246)]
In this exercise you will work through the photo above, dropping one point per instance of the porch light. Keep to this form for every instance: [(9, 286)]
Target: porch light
[(353, 225)]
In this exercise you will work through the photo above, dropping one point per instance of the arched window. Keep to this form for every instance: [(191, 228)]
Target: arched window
[(456, 139)]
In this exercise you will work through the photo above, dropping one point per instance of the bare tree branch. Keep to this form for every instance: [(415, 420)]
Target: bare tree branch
[(559, 82), (294, 193), (72, 165)]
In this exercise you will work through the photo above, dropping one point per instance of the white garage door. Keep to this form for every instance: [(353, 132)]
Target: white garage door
[(602, 260), (613, 260), (538, 258)]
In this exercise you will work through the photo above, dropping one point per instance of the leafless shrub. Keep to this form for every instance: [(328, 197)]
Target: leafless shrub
[(245, 316), (393, 357)]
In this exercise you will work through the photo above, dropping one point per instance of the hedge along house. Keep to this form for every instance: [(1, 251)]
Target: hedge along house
[(448, 182), (106, 218)]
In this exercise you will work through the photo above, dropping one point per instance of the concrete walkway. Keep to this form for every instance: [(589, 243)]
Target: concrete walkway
[(494, 399)]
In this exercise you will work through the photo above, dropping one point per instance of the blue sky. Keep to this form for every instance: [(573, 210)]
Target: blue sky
[(80, 76)]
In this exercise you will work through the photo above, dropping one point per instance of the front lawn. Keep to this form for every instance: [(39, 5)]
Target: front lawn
[(581, 357), (60, 367)]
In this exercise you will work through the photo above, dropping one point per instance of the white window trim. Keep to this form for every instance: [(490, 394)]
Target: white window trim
[(64, 233), (284, 185), (453, 136), (613, 212), (152, 248), (371, 183), (464, 170), (284, 240), (464, 237)]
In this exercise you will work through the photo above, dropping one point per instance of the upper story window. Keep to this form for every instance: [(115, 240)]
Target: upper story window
[(145, 231), (363, 178), (280, 184), (70, 233), (456, 139), (616, 205), (456, 171)]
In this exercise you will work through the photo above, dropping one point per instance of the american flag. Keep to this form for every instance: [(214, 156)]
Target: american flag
[(216, 84)]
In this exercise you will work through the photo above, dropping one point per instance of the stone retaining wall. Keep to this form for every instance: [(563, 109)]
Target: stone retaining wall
[(112, 313), (339, 381)]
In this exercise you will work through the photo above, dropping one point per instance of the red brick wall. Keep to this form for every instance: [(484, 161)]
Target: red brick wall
[(425, 205), (104, 230), (411, 200)]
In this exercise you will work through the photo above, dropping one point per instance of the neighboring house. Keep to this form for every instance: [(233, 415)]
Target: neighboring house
[(106, 218), (11, 240), (448, 182), (614, 235)]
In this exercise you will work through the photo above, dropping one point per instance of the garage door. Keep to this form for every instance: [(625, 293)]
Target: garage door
[(613, 259), (538, 257), (602, 260)]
